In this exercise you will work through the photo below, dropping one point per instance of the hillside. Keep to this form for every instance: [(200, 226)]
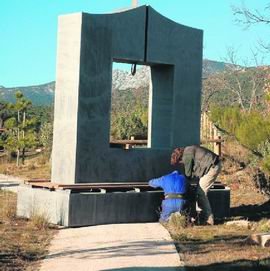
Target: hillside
[(212, 67), (122, 80), (39, 95)]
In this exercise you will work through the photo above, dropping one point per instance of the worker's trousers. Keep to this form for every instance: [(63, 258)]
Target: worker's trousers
[(205, 183), (170, 206)]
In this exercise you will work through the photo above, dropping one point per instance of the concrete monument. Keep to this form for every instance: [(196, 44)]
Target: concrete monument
[(87, 46)]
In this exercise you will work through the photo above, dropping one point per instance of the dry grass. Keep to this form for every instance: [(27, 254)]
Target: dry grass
[(201, 247), (176, 222), (37, 167), (222, 247), (39, 221), (262, 226), (206, 246), (239, 177), (22, 243)]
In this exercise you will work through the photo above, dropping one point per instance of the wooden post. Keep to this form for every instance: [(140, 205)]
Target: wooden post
[(219, 147), (130, 146), (216, 146), (204, 126), (201, 127), (127, 146)]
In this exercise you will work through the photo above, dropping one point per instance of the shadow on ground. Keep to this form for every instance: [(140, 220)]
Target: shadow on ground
[(252, 212), (129, 249), (241, 265)]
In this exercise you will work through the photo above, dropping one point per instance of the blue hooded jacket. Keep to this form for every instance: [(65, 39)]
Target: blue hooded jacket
[(171, 184)]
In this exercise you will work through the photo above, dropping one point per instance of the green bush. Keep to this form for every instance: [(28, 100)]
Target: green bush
[(253, 130), (266, 164), (264, 148), (231, 119), (216, 113), (132, 122), (263, 225), (227, 118)]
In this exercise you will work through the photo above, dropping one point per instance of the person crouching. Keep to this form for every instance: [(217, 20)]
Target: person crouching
[(174, 186)]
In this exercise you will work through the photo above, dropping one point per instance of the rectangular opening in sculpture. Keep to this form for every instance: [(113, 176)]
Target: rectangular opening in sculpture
[(129, 106)]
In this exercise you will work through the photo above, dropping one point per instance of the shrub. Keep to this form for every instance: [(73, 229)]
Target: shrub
[(43, 158), (227, 118), (231, 119), (264, 148), (266, 164), (253, 130), (250, 129), (46, 136), (177, 221), (8, 208), (263, 225), (130, 123), (39, 221), (216, 114)]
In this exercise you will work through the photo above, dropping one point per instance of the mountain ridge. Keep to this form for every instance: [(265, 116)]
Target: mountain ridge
[(43, 94)]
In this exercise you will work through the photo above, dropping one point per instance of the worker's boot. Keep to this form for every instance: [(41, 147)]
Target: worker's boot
[(210, 220)]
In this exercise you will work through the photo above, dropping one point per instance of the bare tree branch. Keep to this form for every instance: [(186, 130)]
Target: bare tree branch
[(249, 17)]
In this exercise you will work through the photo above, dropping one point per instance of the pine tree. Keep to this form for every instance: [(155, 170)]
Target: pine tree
[(20, 133)]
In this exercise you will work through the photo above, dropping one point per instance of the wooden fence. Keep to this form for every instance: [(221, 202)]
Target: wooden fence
[(210, 135)]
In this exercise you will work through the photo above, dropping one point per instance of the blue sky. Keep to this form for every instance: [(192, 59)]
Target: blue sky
[(28, 31)]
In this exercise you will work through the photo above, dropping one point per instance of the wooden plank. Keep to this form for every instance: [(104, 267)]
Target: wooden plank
[(37, 181), (105, 184), (212, 141), (108, 186), (102, 184), (86, 185), (131, 142), (44, 185), (83, 184)]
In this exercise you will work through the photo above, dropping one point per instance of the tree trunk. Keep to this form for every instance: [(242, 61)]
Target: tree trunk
[(23, 155), (18, 157)]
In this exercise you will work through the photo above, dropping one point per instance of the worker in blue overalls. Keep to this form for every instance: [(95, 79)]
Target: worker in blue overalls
[(174, 186)]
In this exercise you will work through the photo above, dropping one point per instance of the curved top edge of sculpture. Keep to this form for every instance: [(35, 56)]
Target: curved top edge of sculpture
[(135, 10)]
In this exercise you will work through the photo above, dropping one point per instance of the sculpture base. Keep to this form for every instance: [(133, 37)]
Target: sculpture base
[(219, 199), (71, 208)]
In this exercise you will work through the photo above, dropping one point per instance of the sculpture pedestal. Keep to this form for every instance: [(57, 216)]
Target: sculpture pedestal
[(72, 209), (219, 199)]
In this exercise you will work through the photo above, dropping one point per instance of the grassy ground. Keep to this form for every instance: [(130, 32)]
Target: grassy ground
[(22, 242), (37, 167), (220, 247), (223, 247)]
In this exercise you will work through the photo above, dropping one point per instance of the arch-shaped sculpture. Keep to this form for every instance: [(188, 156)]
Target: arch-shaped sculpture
[(87, 46)]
